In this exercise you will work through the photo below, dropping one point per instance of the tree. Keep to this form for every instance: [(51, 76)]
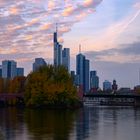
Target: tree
[(51, 86), (1, 85), (17, 84)]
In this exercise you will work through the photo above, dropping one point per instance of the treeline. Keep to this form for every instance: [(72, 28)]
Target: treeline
[(48, 86), (15, 85)]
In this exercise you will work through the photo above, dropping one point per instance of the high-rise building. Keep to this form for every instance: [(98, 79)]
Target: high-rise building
[(107, 85), (86, 78), (20, 71), (66, 58), (75, 78), (57, 50), (38, 63), (114, 85), (9, 69), (94, 81), (82, 71)]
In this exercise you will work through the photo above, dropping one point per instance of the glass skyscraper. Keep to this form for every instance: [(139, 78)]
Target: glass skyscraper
[(66, 58), (38, 63), (82, 71), (57, 51), (9, 69), (94, 80)]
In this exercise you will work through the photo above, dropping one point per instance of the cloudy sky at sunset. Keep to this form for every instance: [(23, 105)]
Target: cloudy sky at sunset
[(108, 30)]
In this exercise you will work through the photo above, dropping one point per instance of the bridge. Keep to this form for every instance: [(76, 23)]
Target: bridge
[(112, 99)]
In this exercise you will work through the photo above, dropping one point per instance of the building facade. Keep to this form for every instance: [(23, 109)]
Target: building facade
[(86, 78), (20, 71), (107, 85), (66, 58), (38, 63), (9, 69), (57, 50), (94, 81), (82, 71)]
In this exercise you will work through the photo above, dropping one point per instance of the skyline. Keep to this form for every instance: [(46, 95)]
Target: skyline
[(111, 41)]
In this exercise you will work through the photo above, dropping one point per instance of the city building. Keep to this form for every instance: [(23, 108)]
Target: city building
[(75, 78), (86, 78), (9, 69), (66, 58), (38, 63), (57, 51), (82, 71), (107, 86), (114, 86), (94, 81), (20, 71)]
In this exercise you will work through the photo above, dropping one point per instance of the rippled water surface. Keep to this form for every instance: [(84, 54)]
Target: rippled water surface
[(96, 123)]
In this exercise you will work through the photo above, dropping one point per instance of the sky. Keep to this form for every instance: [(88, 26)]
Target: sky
[(108, 31)]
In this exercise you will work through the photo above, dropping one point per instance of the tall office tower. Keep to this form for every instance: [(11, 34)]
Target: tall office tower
[(38, 63), (82, 72), (86, 81), (20, 71), (75, 78), (57, 50), (66, 58), (94, 81), (9, 69), (107, 85), (114, 85)]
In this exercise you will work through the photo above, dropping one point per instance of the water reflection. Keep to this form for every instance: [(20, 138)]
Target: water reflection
[(84, 124), (51, 124)]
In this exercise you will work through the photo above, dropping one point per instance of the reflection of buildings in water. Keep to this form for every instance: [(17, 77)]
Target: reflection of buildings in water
[(82, 124), (87, 121), (10, 124)]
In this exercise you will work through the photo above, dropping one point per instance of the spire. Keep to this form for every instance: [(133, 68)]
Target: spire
[(55, 35), (79, 48), (56, 27)]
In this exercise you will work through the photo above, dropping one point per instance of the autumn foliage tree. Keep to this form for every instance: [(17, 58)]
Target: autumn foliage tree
[(17, 85), (1, 85), (50, 86)]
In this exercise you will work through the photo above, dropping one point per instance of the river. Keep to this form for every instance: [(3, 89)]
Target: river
[(88, 123)]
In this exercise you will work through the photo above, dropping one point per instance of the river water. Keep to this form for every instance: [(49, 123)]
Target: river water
[(88, 123)]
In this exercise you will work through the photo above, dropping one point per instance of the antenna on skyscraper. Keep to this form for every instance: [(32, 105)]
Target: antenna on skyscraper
[(56, 27), (80, 48)]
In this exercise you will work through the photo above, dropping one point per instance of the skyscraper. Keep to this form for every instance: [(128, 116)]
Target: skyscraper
[(82, 71), (9, 69), (86, 81), (57, 50), (38, 63), (20, 71), (107, 85), (94, 81), (66, 58)]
